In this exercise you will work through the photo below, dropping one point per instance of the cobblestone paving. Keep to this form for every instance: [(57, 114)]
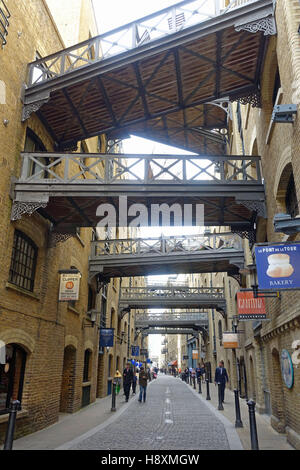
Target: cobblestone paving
[(172, 418)]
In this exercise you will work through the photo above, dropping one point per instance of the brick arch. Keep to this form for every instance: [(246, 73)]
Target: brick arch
[(89, 345), (68, 402), (71, 341), (283, 172), (20, 337)]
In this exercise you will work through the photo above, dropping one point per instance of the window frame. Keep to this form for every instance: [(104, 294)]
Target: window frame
[(23, 260)]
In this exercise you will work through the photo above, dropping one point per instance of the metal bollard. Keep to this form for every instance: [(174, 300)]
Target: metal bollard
[(199, 383), (220, 405), (238, 421), (253, 430), (15, 407), (113, 397), (194, 382), (207, 390)]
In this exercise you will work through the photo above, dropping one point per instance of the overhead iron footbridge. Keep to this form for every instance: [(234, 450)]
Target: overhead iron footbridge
[(164, 297), (167, 76), (74, 190), (222, 252)]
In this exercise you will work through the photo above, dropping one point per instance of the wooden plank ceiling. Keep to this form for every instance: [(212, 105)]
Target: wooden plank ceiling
[(161, 96)]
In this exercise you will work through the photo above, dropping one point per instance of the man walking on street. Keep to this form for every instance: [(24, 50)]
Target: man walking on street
[(144, 376), (127, 380), (221, 377)]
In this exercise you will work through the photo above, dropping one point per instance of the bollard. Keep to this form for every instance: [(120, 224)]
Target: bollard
[(194, 382), (253, 430), (220, 405), (207, 390), (238, 421), (15, 406), (199, 382), (113, 397)]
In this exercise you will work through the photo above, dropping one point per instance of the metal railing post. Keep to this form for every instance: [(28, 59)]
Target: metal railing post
[(238, 421), (207, 390), (199, 383), (252, 420), (113, 396), (15, 406), (194, 382), (220, 405)]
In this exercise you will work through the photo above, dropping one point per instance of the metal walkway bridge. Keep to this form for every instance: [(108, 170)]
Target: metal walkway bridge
[(164, 76), (172, 297), (76, 190), (221, 252)]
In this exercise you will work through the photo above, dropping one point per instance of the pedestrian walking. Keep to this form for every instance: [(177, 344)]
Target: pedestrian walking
[(198, 373), (221, 377), (127, 380), (144, 376), (134, 382)]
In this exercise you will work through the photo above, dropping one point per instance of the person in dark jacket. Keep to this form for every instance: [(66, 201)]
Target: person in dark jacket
[(134, 381), (127, 380), (221, 377), (144, 376)]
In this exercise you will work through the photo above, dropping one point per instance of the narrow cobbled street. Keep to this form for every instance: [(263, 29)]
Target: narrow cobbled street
[(173, 417)]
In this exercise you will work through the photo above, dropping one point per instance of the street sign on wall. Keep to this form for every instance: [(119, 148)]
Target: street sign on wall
[(278, 266), (249, 307), (135, 350), (195, 354), (69, 287)]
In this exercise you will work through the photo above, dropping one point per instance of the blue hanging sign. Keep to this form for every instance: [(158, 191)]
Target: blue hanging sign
[(106, 337), (135, 350), (278, 266)]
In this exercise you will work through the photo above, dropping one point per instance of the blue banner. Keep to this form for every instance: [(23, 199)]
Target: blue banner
[(106, 337), (278, 266), (135, 350)]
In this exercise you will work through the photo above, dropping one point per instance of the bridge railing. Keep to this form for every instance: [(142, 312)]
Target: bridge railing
[(86, 169), (131, 36), (151, 317), (136, 293), (166, 246)]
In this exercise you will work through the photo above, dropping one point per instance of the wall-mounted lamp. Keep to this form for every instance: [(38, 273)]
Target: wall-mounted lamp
[(92, 314)]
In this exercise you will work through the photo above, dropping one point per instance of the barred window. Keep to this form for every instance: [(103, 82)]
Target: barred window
[(23, 261)]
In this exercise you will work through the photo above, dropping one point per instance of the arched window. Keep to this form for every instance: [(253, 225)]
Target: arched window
[(220, 332), (87, 365), (12, 376), (23, 261)]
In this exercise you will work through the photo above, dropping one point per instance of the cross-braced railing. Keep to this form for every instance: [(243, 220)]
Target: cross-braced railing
[(86, 169), (129, 37), (166, 246), (173, 317), (170, 292)]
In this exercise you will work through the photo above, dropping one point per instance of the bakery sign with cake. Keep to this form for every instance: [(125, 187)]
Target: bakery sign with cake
[(278, 266)]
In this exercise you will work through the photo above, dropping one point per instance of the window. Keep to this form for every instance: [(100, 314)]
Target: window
[(291, 198), (86, 366), (12, 376), (277, 85), (23, 261), (34, 144), (91, 299)]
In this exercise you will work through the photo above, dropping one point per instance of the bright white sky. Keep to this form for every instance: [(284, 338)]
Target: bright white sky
[(111, 14)]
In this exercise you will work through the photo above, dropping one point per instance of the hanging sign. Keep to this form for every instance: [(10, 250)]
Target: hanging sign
[(287, 369), (69, 287), (249, 307), (278, 266), (195, 354), (135, 350), (230, 340), (106, 337)]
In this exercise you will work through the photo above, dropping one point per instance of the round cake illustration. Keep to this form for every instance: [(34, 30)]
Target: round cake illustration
[(279, 265)]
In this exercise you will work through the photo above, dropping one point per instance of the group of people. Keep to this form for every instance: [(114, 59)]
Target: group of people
[(130, 379), (198, 373)]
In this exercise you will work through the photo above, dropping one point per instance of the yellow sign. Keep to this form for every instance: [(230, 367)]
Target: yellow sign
[(230, 341), (195, 354), (117, 375)]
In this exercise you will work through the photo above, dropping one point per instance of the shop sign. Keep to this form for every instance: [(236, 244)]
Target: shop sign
[(230, 340), (287, 369), (278, 266), (69, 287), (195, 354), (249, 307), (106, 337), (135, 350)]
